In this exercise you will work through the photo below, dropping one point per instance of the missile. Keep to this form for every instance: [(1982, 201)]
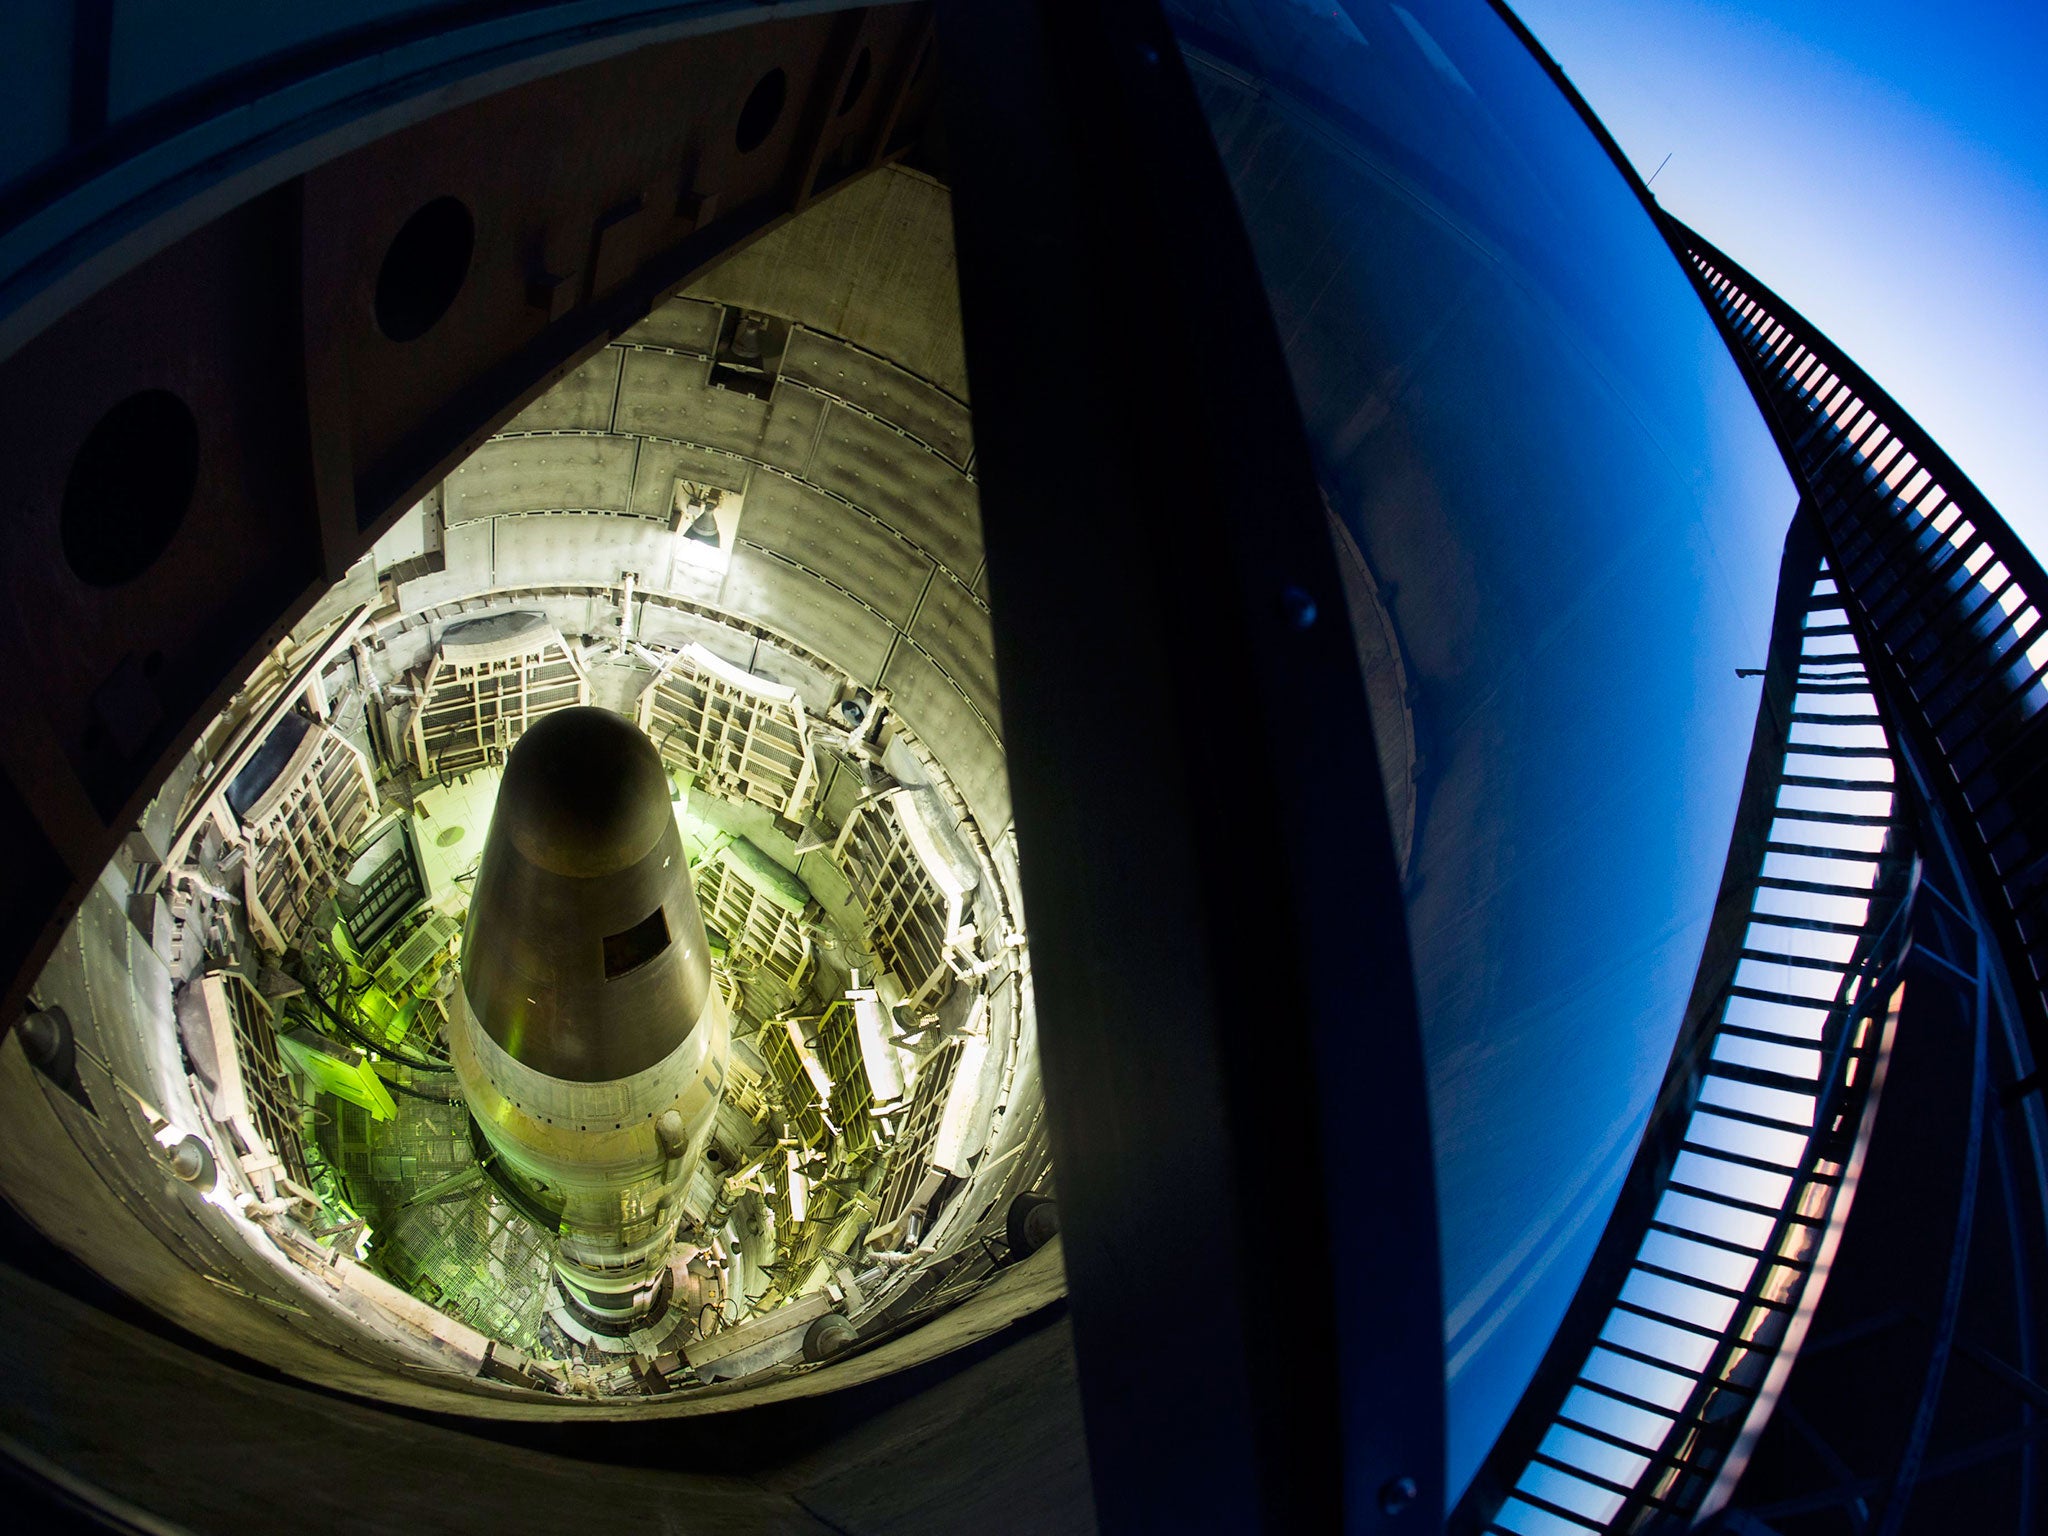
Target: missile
[(586, 1033)]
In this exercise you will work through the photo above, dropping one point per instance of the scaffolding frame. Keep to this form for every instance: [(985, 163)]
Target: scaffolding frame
[(252, 1097), (742, 737), (479, 697), (300, 833), (912, 925), (760, 930), (800, 1102), (917, 1137), (853, 1096)]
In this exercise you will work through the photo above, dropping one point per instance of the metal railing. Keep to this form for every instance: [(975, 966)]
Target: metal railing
[(1939, 587), (1681, 1337)]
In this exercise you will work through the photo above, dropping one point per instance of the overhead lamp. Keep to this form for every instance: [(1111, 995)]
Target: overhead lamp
[(700, 545)]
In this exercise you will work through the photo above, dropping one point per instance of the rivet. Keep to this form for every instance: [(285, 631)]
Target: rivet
[(1397, 1493), (1298, 607)]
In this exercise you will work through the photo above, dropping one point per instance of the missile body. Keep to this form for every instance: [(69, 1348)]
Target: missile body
[(587, 1035)]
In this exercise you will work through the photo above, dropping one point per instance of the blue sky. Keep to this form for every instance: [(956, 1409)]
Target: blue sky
[(1882, 164)]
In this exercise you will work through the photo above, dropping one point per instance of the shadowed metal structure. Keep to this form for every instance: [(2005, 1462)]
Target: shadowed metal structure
[(1010, 748)]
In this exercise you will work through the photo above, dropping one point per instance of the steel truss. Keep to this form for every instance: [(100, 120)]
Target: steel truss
[(1918, 1403)]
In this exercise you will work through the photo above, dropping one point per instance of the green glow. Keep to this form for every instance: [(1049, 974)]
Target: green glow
[(336, 1069)]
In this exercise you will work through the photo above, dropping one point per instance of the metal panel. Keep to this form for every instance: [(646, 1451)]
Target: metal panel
[(761, 933), (785, 597), (853, 1095), (674, 628), (744, 742), (544, 473), (255, 1095), (826, 536), (358, 589), (552, 551), (582, 402), (946, 722), (301, 832), (792, 430), (798, 1094), (467, 553), (662, 463), (882, 389), (952, 628), (687, 325), (666, 396), (907, 918), (920, 1129), (915, 492), (476, 704), (842, 789)]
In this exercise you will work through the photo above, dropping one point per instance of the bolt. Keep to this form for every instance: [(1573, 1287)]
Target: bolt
[(1397, 1493), (1298, 608), (42, 1036), (191, 1161)]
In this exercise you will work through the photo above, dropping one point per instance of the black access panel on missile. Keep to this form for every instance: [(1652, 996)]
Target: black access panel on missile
[(1001, 766)]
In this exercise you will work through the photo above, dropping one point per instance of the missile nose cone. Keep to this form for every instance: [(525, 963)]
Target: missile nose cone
[(584, 955), (584, 794)]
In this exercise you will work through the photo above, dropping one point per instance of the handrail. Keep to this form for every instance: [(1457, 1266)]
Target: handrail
[(1683, 1331), (1945, 597)]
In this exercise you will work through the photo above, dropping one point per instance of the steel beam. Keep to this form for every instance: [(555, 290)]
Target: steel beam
[(1236, 1099)]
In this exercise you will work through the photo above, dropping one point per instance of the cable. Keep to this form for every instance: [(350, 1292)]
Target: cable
[(520, 1201), (410, 1092), (418, 1064)]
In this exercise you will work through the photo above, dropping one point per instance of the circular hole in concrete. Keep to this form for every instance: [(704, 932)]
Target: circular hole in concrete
[(449, 837), (130, 485), (762, 111), (424, 269)]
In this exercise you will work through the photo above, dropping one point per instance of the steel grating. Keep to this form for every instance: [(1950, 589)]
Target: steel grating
[(919, 1133), (476, 1259), (1934, 580), (440, 1228)]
